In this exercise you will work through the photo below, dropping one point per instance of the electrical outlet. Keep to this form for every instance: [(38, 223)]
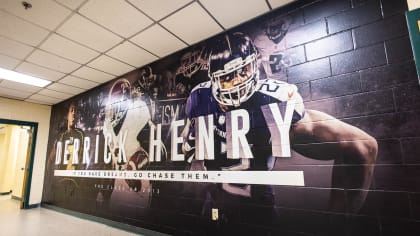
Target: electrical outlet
[(214, 214)]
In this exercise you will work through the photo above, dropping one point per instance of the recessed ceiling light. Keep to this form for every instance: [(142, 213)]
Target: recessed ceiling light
[(21, 78)]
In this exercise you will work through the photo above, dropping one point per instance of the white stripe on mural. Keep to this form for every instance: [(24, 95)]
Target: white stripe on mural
[(294, 178)]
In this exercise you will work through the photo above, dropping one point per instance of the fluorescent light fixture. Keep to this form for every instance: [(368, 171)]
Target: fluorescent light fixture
[(21, 78)]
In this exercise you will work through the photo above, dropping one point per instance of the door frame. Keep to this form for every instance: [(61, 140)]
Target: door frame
[(28, 174)]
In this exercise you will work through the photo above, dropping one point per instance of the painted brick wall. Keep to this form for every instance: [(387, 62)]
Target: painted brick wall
[(349, 58), (358, 66), (352, 60)]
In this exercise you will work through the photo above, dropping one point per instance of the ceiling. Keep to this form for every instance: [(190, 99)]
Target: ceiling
[(79, 44)]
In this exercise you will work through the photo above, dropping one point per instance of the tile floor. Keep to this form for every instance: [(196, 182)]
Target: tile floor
[(45, 222)]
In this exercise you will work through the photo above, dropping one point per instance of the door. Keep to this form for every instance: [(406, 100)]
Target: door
[(24, 168), (17, 158)]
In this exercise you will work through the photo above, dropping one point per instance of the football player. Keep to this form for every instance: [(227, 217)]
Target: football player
[(69, 142), (271, 45), (67, 146), (125, 117), (235, 84), (72, 135), (144, 83)]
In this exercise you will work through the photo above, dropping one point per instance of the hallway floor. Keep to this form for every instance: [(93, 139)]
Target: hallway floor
[(41, 221)]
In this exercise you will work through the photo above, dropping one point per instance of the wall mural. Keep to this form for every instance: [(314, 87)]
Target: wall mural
[(218, 138)]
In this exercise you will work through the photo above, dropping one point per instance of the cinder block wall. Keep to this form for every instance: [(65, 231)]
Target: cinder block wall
[(351, 59), (357, 65)]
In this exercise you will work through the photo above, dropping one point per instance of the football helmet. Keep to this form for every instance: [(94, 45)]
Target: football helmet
[(276, 29), (234, 56), (137, 161), (146, 78)]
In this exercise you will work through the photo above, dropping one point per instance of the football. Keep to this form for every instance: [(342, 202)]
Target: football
[(137, 161)]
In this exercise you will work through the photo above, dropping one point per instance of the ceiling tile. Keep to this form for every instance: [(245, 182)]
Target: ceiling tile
[(20, 30), (77, 82), (8, 62), (160, 8), (116, 15), (192, 31), (131, 54), (19, 86), (14, 49), (92, 74), (65, 88), (89, 34), (73, 4), (278, 3), (223, 13), (39, 102), (56, 38), (13, 93), (38, 71), (158, 41), (109, 65), (51, 61), (68, 49), (43, 99), (54, 94), (48, 14)]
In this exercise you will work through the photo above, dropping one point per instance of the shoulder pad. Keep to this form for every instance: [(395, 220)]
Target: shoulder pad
[(206, 84), (277, 89)]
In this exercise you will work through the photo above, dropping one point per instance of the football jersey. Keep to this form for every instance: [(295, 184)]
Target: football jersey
[(201, 103), (232, 199), (272, 57)]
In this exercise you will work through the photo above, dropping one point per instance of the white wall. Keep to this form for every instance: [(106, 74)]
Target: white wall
[(413, 4), (24, 111), (5, 162)]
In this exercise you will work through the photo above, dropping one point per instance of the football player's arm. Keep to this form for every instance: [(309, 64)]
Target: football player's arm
[(51, 157), (188, 148), (321, 136), (188, 134), (188, 145), (322, 130)]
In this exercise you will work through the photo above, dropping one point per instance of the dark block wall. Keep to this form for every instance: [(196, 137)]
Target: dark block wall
[(351, 59), (361, 71)]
